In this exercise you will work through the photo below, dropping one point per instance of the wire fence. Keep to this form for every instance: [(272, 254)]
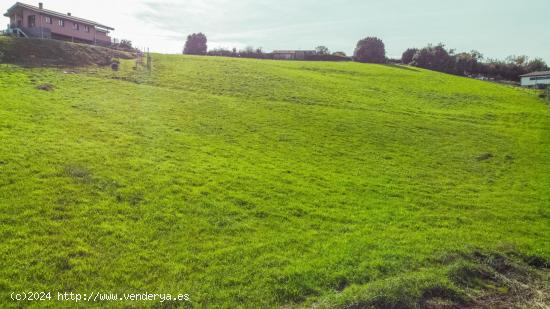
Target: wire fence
[(144, 60)]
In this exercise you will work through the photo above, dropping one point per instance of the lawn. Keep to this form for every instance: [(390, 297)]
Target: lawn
[(248, 183)]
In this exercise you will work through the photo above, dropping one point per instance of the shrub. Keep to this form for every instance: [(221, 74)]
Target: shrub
[(125, 45), (222, 52), (256, 53), (371, 50), (196, 44)]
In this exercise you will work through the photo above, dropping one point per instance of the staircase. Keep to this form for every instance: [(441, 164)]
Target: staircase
[(15, 32), (19, 33)]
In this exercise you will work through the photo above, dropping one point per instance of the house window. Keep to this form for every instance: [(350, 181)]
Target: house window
[(61, 23), (31, 21), (87, 28), (48, 20), (76, 26)]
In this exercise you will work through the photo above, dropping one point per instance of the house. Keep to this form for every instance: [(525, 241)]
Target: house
[(292, 54), (536, 79), (31, 21)]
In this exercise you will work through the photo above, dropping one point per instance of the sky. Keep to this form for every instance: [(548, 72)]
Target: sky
[(496, 28)]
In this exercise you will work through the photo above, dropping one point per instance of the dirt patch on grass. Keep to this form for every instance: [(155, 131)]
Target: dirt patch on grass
[(77, 172), (485, 157), (46, 87), (475, 280), (496, 280)]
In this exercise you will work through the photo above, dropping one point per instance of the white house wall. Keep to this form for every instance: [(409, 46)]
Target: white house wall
[(526, 81)]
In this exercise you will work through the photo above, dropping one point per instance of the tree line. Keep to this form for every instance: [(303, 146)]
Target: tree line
[(197, 44), (372, 50), (438, 58)]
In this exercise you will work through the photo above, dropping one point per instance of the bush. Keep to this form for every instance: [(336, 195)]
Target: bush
[(196, 44), (222, 52), (370, 50), (250, 52), (115, 65)]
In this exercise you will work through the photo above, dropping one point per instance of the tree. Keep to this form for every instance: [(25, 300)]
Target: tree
[(126, 44), (466, 63), (322, 50), (371, 50), (408, 55), (536, 65), (247, 52), (220, 52), (196, 44), (435, 58)]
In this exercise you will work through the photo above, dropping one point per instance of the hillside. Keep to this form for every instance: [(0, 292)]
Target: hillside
[(263, 183), (37, 52)]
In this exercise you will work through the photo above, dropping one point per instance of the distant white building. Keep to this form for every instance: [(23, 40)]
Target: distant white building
[(536, 79)]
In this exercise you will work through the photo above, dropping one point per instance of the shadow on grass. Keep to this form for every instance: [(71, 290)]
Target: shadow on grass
[(402, 67)]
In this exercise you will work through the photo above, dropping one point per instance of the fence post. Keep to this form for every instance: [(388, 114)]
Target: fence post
[(149, 61)]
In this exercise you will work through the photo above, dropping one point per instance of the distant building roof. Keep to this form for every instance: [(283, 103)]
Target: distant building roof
[(541, 73), (57, 14)]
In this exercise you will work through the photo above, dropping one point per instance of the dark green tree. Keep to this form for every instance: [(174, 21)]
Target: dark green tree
[(408, 55), (126, 44), (322, 50), (371, 50), (435, 58), (468, 63), (196, 44), (536, 65)]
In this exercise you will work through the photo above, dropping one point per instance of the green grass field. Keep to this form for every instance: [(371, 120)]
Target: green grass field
[(251, 184)]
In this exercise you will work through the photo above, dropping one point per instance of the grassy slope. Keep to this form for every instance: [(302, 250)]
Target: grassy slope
[(38, 52), (264, 183)]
